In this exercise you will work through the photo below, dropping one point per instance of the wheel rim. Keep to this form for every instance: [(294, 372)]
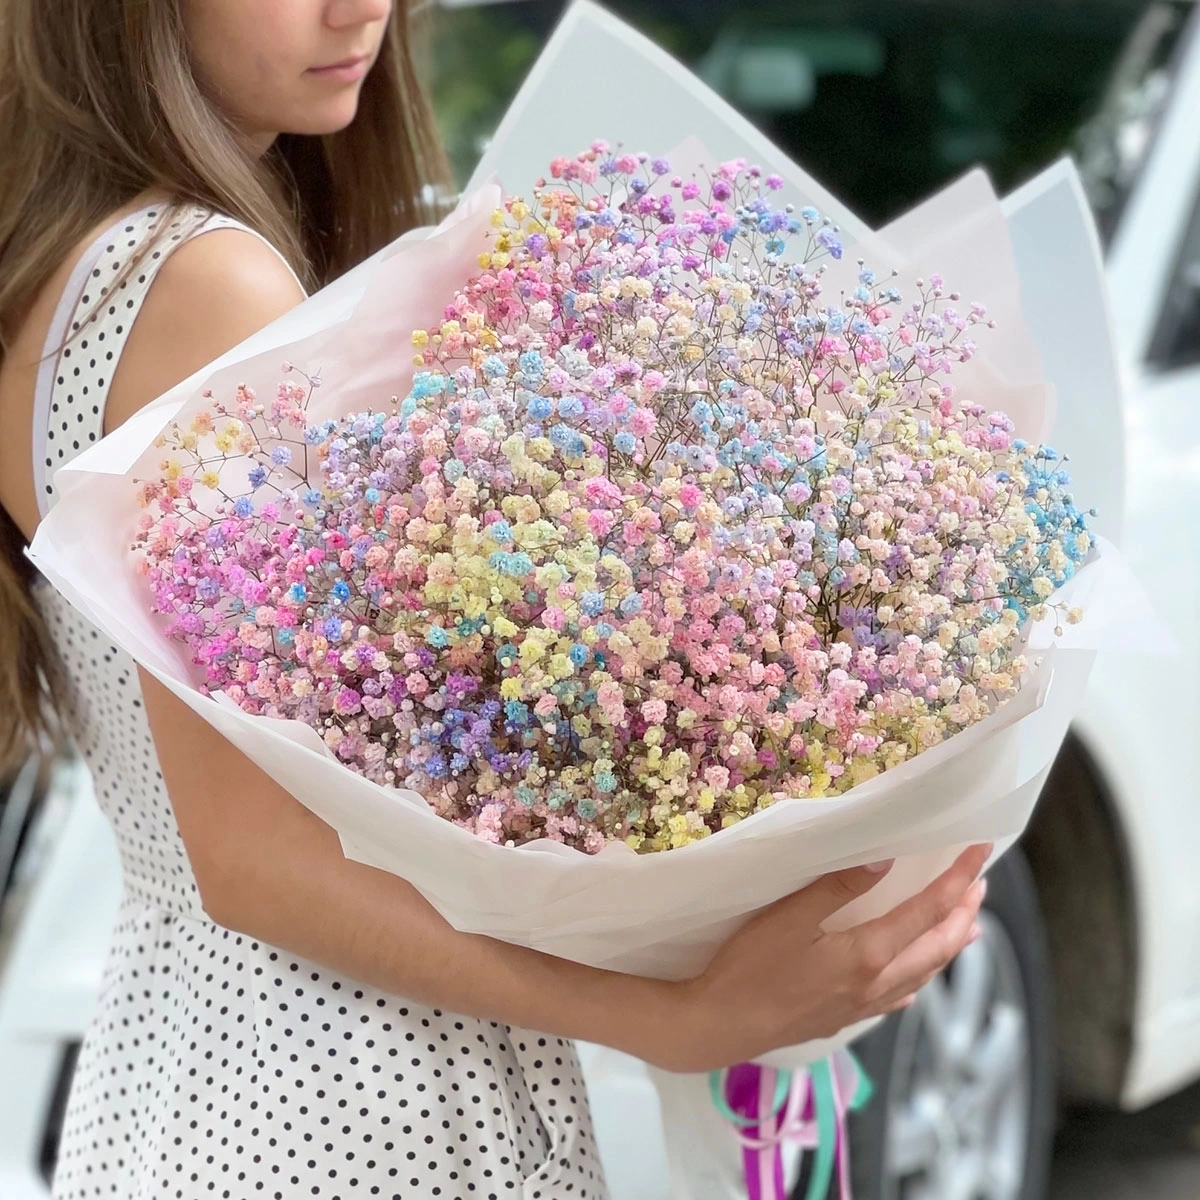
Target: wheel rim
[(958, 1105)]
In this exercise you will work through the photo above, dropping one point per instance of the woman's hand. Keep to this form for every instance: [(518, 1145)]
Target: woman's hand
[(780, 980)]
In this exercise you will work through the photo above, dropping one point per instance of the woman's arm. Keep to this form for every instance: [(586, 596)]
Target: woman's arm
[(269, 868)]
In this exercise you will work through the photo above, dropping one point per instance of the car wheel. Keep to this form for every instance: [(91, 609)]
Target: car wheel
[(964, 1103)]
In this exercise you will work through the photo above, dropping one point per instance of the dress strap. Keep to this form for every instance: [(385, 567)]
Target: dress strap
[(91, 325)]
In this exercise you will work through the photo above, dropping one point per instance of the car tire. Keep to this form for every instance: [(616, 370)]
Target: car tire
[(964, 1079)]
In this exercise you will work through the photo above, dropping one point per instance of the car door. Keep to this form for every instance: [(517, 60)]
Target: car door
[(1146, 738)]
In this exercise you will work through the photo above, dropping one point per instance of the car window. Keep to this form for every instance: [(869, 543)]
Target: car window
[(1176, 341), (884, 100)]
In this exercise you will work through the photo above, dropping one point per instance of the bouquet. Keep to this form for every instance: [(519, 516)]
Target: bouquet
[(661, 534), (270, 586)]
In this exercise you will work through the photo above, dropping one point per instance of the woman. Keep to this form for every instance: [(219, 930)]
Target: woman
[(275, 1019)]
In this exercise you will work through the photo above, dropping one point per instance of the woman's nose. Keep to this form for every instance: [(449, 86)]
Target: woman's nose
[(345, 14)]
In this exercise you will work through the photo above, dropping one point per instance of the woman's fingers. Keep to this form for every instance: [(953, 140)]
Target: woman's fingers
[(884, 939), (932, 952), (831, 893)]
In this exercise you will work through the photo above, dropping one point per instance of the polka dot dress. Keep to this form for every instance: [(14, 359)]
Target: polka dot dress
[(218, 1066)]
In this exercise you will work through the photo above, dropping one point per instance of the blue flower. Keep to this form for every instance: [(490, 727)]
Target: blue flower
[(437, 637), (831, 242), (625, 442), (500, 532), (566, 439), (281, 456), (531, 363), (258, 476), (540, 407), (371, 495), (242, 507), (631, 605), (515, 565), (331, 627), (578, 654), (428, 383), (298, 593), (592, 603), (341, 591), (312, 496)]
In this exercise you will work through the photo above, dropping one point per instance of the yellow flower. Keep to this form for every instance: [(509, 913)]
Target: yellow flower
[(557, 503), (680, 833), (531, 650), (420, 338), (510, 688), (677, 762), (862, 769), (210, 479)]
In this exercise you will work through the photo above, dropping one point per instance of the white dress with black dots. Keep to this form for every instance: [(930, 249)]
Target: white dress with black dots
[(218, 1066)]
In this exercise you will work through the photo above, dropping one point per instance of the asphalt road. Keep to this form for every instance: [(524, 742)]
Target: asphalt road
[(1151, 1155)]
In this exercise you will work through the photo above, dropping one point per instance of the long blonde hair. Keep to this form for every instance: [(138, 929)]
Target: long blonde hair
[(98, 104)]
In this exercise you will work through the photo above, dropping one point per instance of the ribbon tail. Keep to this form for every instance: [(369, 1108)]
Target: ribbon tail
[(864, 1089), (827, 1131)]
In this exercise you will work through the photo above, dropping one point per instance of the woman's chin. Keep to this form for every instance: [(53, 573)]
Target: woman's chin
[(330, 117)]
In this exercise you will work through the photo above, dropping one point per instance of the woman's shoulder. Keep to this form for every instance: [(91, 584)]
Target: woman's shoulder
[(210, 294)]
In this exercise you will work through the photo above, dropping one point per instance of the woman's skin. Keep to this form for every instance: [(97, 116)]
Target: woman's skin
[(269, 868)]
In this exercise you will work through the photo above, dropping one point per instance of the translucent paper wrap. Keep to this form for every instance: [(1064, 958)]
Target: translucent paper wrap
[(662, 915)]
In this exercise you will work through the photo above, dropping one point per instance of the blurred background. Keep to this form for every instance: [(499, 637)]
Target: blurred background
[(883, 100)]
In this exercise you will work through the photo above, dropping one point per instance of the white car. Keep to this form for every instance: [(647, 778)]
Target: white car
[(1086, 985)]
